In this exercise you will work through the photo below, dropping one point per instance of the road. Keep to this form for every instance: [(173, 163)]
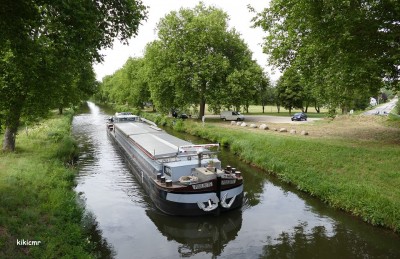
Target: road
[(383, 109), (269, 119)]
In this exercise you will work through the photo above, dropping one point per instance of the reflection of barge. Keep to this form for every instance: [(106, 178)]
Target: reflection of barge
[(206, 235), (181, 178)]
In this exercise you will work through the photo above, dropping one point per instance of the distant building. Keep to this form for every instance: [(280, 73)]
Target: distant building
[(372, 101)]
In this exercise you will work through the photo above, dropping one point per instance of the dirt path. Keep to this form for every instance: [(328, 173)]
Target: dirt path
[(383, 109)]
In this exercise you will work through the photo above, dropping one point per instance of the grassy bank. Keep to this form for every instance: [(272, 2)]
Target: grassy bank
[(357, 173), (37, 201)]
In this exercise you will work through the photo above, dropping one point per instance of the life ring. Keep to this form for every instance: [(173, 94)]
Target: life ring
[(187, 179)]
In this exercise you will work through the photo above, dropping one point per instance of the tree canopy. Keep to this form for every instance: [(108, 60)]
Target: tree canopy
[(47, 49), (340, 48), (196, 59)]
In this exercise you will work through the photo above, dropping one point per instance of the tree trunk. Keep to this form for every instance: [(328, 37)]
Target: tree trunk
[(60, 110), (263, 105), (9, 139), (202, 108), (317, 108), (12, 118)]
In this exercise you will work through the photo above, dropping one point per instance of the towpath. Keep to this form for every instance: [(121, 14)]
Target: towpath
[(383, 109)]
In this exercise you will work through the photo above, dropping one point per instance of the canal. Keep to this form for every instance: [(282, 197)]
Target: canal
[(276, 221)]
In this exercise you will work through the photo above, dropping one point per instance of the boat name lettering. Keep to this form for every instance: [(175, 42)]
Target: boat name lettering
[(226, 182), (202, 185)]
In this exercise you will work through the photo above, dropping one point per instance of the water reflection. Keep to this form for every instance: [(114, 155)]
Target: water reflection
[(199, 234), (319, 243), (276, 221)]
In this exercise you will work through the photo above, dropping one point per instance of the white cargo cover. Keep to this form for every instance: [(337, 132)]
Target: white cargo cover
[(155, 142)]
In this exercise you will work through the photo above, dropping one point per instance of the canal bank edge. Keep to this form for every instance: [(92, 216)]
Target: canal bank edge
[(38, 202), (317, 167)]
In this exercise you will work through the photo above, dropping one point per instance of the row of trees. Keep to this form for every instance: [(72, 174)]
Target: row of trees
[(47, 48), (196, 60), (340, 52), (335, 55)]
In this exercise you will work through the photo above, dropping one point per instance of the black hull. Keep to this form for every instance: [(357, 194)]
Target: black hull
[(191, 209)]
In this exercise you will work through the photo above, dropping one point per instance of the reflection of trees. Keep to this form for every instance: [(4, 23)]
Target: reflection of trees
[(99, 245), (253, 187), (317, 243), (209, 234), (254, 179)]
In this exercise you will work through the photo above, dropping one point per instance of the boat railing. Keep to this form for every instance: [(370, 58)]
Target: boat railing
[(148, 122), (197, 148), (188, 155)]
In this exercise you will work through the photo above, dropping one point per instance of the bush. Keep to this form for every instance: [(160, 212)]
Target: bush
[(67, 150), (179, 125)]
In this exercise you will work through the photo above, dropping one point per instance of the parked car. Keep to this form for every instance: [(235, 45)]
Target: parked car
[(231, 116), (183, 116), (300, 116)]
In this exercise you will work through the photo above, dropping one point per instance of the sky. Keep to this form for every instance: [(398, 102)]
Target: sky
[(240, 19)]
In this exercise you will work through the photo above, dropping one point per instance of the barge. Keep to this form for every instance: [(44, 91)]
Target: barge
[(180, 178)]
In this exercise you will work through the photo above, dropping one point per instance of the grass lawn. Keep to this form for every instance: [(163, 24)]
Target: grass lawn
[(37, 200)]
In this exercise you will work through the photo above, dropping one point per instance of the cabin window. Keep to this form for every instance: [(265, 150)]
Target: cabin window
[(167, 171)]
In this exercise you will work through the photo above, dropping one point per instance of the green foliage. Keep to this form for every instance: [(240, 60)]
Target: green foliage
[(193, 58), (47, 50), (179, 125), (290, 92), (326, 43), (127, 85), (67, 150)]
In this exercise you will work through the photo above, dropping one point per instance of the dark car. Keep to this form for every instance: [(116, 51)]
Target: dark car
[(300, 116), (183, 116)]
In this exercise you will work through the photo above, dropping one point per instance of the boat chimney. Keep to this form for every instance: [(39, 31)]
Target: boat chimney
[(162, 179), (168, 183), (158, 177)]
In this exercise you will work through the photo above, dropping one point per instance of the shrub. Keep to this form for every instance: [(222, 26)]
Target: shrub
[(179, 125), (67, 150)]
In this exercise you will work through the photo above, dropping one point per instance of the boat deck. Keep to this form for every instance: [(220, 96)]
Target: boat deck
[(155, 141)]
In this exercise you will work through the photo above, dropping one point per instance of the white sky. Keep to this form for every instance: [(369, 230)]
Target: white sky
[(237, 10)]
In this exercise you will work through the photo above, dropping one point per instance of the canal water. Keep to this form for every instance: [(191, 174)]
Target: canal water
[(276, 221)]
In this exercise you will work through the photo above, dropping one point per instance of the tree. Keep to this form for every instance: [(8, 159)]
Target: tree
[(194, 56), (137, 81), (243, 86), (341, 48), (77, 87), (45, 45), (290, 91), (127, 85), (265, 93)]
